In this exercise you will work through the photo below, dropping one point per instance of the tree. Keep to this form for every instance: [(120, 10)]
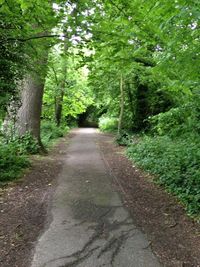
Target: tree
[(32, 32), (29, 113), (76, 94), (121, 105)]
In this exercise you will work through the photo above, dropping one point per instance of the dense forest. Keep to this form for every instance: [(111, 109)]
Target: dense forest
[(132, 67)]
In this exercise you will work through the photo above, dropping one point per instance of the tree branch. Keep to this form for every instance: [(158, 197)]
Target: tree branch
[(30, 38), (55, 75)]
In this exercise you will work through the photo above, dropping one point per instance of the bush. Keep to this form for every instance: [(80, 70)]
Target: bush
[(175, 164), (108, 124), (26, 144), (124, 138), (13, 154), (178, 120), (11, 162), (50, 131), (170, 122)]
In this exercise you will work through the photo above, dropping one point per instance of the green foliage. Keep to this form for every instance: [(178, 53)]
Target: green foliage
[(108, 124), (179, 120), (26, 144), (14, 153), (21, 22), (124, 138), (50, 131), (175, 164), (69, 81), (149, 100), (169, 122), (11, 162), (11, 54)]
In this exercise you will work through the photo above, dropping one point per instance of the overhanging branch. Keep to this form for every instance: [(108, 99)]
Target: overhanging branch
[(30, 38)]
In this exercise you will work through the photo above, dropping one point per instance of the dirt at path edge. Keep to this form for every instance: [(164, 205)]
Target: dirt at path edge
[(24, 206), (175, 238)]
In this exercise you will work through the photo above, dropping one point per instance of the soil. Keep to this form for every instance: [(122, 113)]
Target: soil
[(175, 238)]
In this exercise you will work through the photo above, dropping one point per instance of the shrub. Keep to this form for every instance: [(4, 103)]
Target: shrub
[(26, 144), (108, 124), (178, 120), (50, 131), (11, 162), (168, 122), (13, 152), (175, 164), (124, 138)]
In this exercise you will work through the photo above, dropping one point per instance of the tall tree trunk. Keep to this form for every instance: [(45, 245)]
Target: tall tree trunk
[(29, 114), (142, 107), (59, 107), (132, 106), (32, 89), (121, 105)]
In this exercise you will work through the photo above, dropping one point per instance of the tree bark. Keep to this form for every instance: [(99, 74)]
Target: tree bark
[(29, 114), (121, 105), (32, 89), (59, 107), (132, 106)]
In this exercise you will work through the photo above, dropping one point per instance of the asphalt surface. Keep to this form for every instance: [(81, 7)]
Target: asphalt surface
[(89, 225)]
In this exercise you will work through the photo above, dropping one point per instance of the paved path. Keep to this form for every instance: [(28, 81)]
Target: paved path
[(90, 227)]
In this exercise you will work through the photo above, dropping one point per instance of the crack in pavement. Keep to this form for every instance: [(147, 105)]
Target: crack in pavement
[(114, 245), (101, 230), (80, 259)]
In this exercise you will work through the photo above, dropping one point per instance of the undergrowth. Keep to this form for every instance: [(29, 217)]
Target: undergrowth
[(14, 151), (170, 151), (12, 161), (124, 138), (174, 164), (50, 132)]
